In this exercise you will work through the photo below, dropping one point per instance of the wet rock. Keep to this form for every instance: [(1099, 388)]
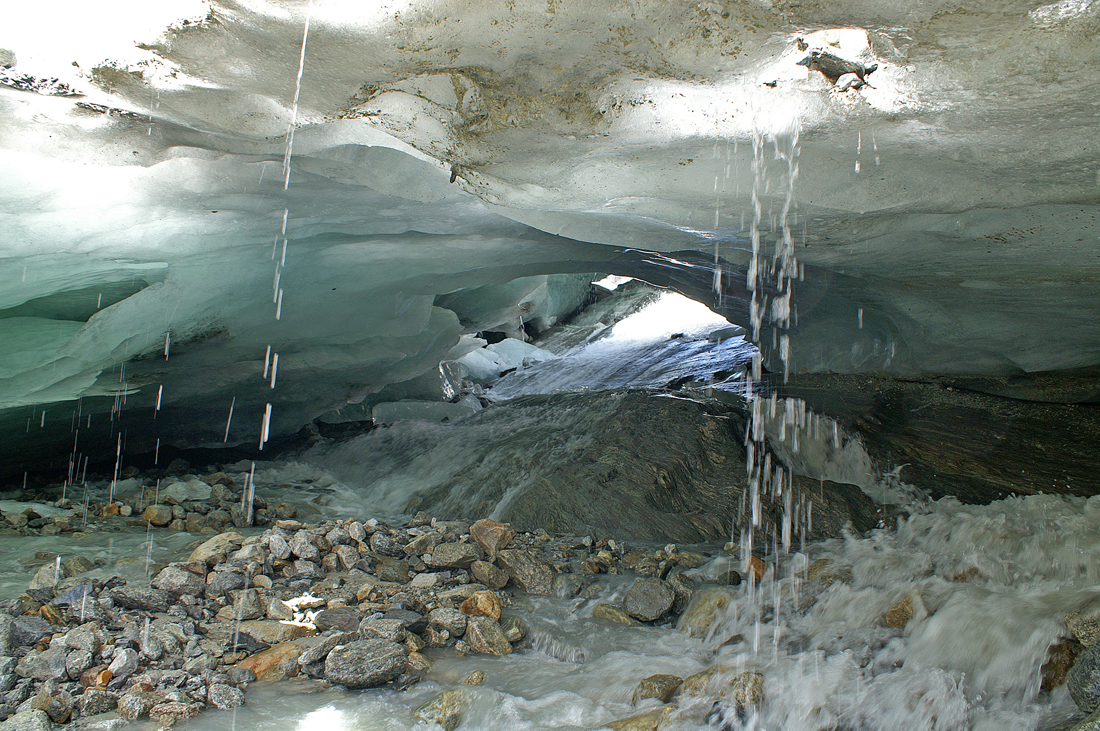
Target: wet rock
[(365, 663), (29, 720), (135, 704), (412, 621), (1060, 658), (8, 678), (47, 577), (747, 689), (94, 701), (648, 721), (171, 711), (477, 677), (447, 709), (185, 578), (345, 619), (224, 696), (275, 663), (488, 574), (454, 555), (1083, 680), (318, 652), (158, 515), (141, 597), (485, 637), (613, 614), (514, 629), (899, 615), (534, 574), (648, 599), (660, 686), (451, 620), (704, 609), (491, 536), (483, 604), (1084, 624)]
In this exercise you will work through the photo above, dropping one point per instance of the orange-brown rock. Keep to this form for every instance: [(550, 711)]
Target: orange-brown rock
[(275, 663), (90, 677), (491, 535), (483, 604), (899, 615), (1060, 658), (108, 510), (758, 568)]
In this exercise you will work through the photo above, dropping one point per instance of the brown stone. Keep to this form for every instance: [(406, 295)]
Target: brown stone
[(491, 535), (485, 636), (899, 615), (660, 686), (757, 568), (648, 721), (158, 515), (613, 614), (483, 604), (275, 663), (1060, 658), (110, 509), (488, 574), (748, 689)]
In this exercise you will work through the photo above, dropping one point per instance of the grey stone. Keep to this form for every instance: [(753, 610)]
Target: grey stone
[(448, 619), (46, 665), (365, 663), (8, 677), (29, 630), (660, 686), (141, 597), (29, 720), (224, 696), (489, 574), (76, 662), (454, 555), (348, 557), (82, 638), (177, 580), (47, 577), (1083, 680), (248, 605), (423, 543), (318, 652), (386, 545), (448, 709), (392, 569), (413, 621), (485, 637), (531, 572), (307, 569), (514, 628), (220, 582), (94, 701), (345, 619), (125, 663), (301, 546), (7, 645), (386, 629), (135, 705), (239, 676), (278, 546), (648, 599)]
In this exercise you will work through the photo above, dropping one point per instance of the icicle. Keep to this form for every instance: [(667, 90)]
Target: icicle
[(230, 419), (267, 360), (274, 368), (167, 344)]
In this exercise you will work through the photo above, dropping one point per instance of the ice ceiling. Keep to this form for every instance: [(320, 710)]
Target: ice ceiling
[(463, 166)]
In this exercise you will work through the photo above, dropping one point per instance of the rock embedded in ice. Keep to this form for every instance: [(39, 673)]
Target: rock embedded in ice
[(365, 663)]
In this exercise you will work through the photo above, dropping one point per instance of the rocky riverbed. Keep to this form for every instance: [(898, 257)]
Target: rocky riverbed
[(364, 604)]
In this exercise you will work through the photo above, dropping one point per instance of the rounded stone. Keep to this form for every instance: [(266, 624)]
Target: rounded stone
[(648, 599), (365, 663), (1083, 680)]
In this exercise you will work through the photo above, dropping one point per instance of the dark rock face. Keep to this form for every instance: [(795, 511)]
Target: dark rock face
[(653, 468), (365, 663)]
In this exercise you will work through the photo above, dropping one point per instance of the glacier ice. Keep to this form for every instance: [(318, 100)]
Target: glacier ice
[(463, 168)]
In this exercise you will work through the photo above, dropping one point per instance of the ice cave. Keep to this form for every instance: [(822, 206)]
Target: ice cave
[(549, 364)]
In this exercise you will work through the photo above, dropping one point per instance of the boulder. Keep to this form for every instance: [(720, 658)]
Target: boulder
[(648, 599), (485, 637), (491, 536), (46, 665), (365, 663), (386, 629), (95, 701), (217, 548), (158, 515), (488, 574), (453, 555), (345, 619), (528, 570), (178, 579), (648, 721), (140, 596)]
